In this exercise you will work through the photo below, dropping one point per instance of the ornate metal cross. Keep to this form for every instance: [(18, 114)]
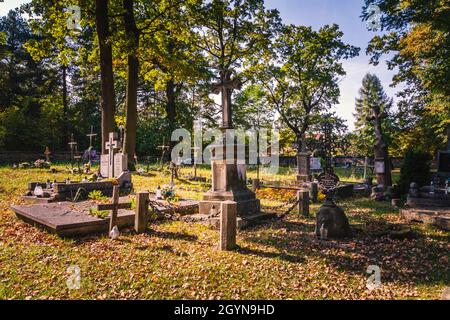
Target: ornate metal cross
[(226, 87)]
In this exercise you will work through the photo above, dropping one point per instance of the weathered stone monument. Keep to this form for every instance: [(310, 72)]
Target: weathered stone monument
[(382, 164), (303, 163), (228, 175)]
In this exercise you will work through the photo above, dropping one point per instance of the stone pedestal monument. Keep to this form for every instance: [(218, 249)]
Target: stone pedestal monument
[(382, 165), (303, 167), (228, 175)]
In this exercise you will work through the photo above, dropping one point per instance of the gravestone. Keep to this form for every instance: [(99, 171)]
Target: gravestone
[(331, 220), (120, 163), (112, 165), (228, 175)]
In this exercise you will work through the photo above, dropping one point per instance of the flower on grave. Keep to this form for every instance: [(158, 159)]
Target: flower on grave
[(24, 165), (168, 194), (42, 164), (321, 196)]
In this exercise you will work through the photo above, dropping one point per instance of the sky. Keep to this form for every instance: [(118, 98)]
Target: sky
[(317, 13)]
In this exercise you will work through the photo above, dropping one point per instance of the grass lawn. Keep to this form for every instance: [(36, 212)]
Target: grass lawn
[(178, 260)]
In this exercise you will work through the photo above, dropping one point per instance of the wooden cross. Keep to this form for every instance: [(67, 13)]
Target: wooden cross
[(110, 146), (90, 135), (47, 154), (163, 149), (72, 145), (141, 214), (114, 206), (195, 149), (226, 87)]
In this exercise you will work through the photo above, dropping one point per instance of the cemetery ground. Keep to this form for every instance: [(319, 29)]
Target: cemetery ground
[(280, 259)]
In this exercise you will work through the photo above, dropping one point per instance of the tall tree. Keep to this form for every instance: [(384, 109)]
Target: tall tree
[(107, 101), (232, 31), (372, 110), (300, 74), (132, 35), (418, 39)]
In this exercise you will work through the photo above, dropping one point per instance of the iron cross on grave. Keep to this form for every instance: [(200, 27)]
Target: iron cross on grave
[(110, 145)]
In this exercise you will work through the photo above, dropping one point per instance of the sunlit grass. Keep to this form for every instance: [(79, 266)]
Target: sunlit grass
[(177, 260)]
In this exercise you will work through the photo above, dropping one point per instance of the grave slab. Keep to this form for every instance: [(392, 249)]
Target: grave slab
[(68, 219)]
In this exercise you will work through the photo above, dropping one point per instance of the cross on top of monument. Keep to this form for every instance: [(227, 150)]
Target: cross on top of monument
[(226, 87), (112, 143)]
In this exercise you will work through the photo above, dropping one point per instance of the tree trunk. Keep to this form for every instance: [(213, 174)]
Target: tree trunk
[(171, 103), (65, 124), (107, 101), (171, 110), (132, 81)]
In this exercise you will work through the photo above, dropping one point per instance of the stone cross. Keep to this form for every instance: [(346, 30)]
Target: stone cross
[(47, 154), (110, 146), (226, 87)]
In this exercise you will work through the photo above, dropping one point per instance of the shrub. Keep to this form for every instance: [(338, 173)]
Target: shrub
[(97, 195), (416, 168)]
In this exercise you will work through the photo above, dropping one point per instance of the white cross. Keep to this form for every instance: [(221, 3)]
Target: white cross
[(110, 146)]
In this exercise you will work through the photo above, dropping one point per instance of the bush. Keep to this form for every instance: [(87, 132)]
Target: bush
[(416, 168)]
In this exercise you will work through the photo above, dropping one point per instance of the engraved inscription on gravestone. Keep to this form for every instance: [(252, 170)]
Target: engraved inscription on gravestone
[(328, 181), (120, 163), (104, 165)]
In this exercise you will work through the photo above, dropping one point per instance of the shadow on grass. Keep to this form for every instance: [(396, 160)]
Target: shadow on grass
[(416, 261), (171, 235)]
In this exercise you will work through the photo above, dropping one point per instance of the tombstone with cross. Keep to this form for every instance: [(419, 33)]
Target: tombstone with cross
[(113, 163), (228, 175)]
